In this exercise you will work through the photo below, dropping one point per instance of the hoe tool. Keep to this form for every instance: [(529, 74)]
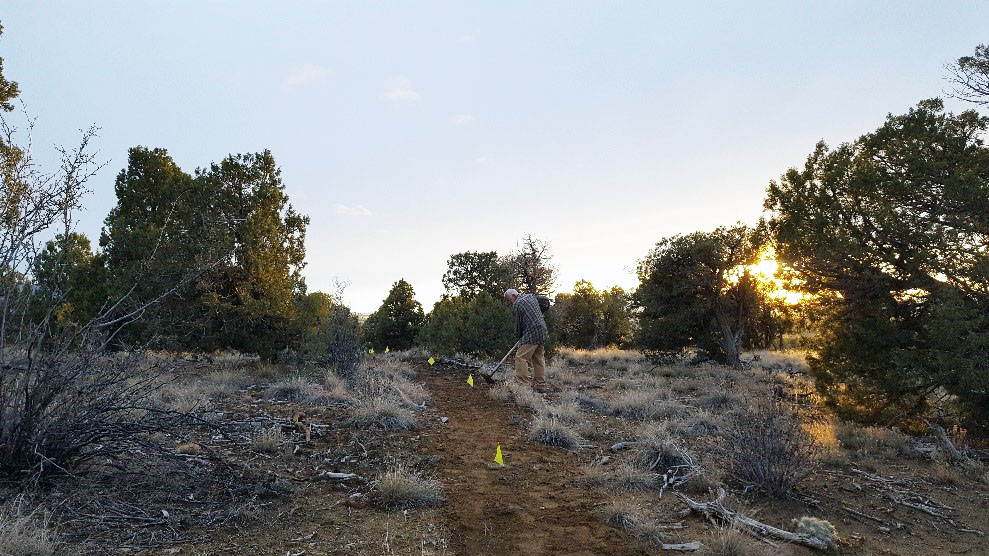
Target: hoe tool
[(488, 376)]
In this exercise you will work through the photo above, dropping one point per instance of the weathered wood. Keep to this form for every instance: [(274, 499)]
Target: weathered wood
[(337, 476), (954, 456), (684, 547), (618, 446), (716, 511)]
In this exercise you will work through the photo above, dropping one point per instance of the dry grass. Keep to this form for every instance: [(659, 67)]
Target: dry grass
[(628, 514), (730, 541), (501, 393), (566, 412), (382, 413), (24, 535), (401, 488), (622, 476), (184, 397), (266, 439), (874, 441), (295, 389), (553, 433), (657, 450)]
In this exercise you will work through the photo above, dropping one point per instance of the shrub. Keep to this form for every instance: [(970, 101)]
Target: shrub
[(657, 450), (382, 413), (628, 514), (567, 413), (553, 433), (768, 449), (481, 325), (818, 529), (874, 440), (266, 439), (635, 405), (401, 488), (297, 389), (730, 541)]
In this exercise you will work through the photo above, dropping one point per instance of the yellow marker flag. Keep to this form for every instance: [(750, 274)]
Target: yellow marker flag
[(386, 349), (431, 361), (371, 350), (498, 459), (470, 380)]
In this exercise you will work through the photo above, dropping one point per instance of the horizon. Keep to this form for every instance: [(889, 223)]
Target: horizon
[(413, 133)]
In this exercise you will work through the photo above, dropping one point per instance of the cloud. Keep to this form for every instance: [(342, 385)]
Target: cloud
[(401, 92), (356, 210), (304, 73), (461, 119), (467, 38), (482, 159)]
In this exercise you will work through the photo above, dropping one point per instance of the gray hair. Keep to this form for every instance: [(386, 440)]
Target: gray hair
[(510, 292)]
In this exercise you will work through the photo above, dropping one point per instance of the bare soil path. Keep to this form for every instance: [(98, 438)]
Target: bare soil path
[(532, 506)]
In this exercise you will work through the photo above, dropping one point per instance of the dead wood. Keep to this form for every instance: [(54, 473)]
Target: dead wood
[(717, 513)]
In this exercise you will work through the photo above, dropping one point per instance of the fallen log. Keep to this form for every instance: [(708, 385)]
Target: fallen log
[(715, 511), (683, 547)]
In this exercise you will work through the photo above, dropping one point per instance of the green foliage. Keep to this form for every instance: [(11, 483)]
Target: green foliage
[(693, 294), (397, 322), (480, 325), (472, 273), (8, 89), (227, 237), (328, 334), (70, 280), (890, 233), (589, 318)]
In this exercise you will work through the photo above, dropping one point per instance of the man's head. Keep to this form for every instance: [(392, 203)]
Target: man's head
[(511, 295)]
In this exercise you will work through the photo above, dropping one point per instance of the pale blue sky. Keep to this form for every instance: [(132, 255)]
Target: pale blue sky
[(410, 131)]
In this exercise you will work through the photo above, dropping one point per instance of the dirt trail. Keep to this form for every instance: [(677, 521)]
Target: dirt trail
[(532, 506)]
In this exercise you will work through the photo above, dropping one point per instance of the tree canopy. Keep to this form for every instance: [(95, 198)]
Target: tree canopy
[(890, 232)]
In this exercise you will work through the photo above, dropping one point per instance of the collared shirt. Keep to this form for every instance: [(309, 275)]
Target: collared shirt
[(530, 325)]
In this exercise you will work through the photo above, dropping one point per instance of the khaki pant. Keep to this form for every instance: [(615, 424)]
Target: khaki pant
[(535, 355)]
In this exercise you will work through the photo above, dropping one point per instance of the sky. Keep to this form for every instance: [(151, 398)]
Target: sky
[(409, 131)]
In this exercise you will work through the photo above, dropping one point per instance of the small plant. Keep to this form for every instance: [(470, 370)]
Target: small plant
[(622, 476), (730, 541), (401, 488), (23, 535), (819, 529), (266, 440), (501, 393), (382, 413), (657, 450), (296, 389), (567, 413), (553, 433), (627, 514), (874, 440), (768, 449)]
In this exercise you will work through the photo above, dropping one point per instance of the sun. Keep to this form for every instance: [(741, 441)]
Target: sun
[(766, 271)]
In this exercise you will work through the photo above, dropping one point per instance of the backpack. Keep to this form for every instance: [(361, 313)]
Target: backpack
[(544, 303)]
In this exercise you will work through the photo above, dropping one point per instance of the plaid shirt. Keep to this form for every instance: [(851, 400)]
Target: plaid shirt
[(529, 323)]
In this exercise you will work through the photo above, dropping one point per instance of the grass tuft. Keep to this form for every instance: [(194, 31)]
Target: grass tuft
[(382, 413), (401, 488), (553, 433)]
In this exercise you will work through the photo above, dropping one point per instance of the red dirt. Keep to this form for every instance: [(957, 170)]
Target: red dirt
[(533, 505)]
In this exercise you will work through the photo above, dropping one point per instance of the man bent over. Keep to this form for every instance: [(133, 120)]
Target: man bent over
[(530, 328)]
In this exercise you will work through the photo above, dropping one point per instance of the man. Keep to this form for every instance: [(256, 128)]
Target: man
[(530, 328)]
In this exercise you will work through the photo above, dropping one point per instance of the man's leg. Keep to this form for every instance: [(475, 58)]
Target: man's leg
[(539, 365), (522, 358)]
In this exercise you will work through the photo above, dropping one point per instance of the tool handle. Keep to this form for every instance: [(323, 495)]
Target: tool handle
[(506, 355)]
